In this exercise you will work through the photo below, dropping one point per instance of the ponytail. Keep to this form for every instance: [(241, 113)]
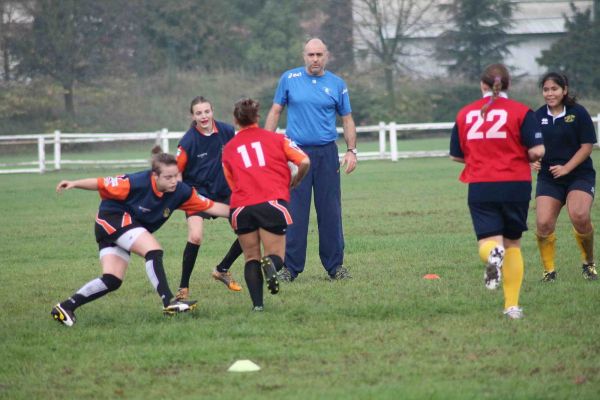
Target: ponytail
[(160, 158), (496, 76)]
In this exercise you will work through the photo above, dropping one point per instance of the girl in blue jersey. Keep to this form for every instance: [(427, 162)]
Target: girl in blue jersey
[(133, 207), (566, 174), (199, 162)]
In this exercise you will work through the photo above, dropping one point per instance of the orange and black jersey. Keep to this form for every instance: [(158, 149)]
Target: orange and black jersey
[(136, 197)]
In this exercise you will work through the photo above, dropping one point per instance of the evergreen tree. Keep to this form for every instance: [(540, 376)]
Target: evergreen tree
[(478, 37), (577, 54), (70, 41), (274, 40), (337, 34)]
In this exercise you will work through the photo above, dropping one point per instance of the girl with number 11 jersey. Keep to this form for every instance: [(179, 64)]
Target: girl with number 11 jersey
[(255, 163)]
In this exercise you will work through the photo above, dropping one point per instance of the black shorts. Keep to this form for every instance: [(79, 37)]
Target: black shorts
[(560, 188), (111, 226), (272, 216), (508, 219), (206, 215)]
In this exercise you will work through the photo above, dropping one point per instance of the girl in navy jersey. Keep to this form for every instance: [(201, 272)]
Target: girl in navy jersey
[(255, 163), (133, 206), (496, 138), (566, 174), (199, 162)]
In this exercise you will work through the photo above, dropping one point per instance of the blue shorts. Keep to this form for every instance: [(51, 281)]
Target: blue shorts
[(507, 219), (560, 188)]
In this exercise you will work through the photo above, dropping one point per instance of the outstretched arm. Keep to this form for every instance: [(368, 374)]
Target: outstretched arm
[(86, 184)]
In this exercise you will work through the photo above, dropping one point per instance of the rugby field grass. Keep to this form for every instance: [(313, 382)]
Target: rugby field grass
[(385, 334)]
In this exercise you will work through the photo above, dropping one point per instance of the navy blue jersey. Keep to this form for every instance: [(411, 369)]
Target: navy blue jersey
[(199, 160), (143, 202), (563, 137)]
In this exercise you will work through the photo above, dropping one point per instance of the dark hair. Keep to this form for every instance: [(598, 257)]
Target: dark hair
[(159, 158), (496, 76), (245, 111), (562, 81), (198, 100)]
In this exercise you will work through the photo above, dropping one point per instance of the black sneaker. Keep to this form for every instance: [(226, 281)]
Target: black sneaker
[(180, 306), (341, 273), (549, 276), (284, 275), (589, 271), (62, 315), (270, 274)]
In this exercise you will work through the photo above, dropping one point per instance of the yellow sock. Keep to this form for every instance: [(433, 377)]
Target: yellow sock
[(547, 246), (512, 276), (585, 241), (485, 249)]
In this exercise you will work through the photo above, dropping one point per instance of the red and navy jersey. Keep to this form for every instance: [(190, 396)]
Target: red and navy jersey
[(255, 165), (136, 197), (494, 146), (563, 137), (199, 160)]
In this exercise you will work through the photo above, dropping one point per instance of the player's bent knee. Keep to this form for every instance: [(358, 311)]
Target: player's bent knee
[(111, 281)]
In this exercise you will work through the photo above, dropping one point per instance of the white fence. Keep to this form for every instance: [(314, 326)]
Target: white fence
[(386, 131)]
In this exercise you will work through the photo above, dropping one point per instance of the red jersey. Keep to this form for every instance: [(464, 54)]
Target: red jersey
[(255, 166), (492, 146)]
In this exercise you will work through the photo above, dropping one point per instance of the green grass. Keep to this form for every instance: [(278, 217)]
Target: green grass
[(385, 334)]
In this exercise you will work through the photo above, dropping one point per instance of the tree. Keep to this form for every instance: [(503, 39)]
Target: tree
[(190, 34), (70, 41), (274, 40), (337, 34), (9, 32), (577, 54), (384, 26), (478, 37)]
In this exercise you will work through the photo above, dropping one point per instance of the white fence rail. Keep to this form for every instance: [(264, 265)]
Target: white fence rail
[(386, 131)]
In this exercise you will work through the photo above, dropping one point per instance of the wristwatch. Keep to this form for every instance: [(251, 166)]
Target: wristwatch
[(353, 151)]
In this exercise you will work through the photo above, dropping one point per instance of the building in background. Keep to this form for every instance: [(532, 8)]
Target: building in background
[(536, 25)]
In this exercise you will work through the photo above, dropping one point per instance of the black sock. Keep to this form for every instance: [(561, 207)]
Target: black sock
[(234, 252), (91, 291), (277, 262), (189, 260), (254, 282), (156, 274)]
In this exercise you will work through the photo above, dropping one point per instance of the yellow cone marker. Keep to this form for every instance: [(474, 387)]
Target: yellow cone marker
[(243, 366)]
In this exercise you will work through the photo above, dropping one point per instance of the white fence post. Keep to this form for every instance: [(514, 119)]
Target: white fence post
[(57, 150), (165, 139), (381, 140), (41, 154), (393, 142)]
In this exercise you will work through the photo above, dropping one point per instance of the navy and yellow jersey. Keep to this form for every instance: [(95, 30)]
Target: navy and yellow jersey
[(137, 198), (199, 160), (563, 137)]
